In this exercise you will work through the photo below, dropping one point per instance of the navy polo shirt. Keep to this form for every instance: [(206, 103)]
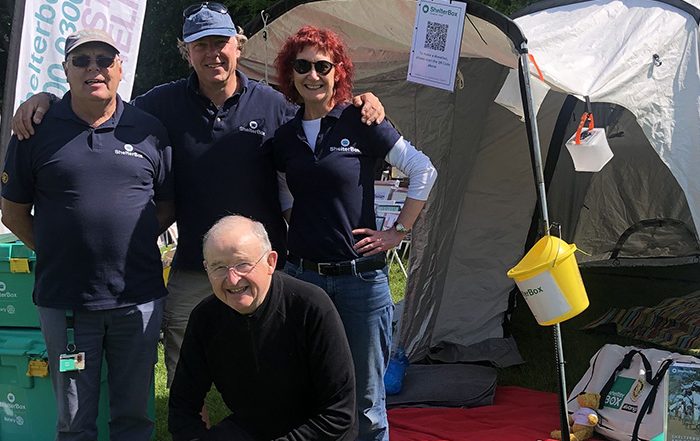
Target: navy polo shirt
[(93, 192), (222, 162), (333, 187)]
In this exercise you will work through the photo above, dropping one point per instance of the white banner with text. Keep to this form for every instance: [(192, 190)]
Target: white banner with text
[(46, 25)]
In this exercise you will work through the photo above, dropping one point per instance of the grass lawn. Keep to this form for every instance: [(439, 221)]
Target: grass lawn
[(536, 343)]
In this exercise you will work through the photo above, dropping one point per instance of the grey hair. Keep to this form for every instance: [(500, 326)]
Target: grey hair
[(240, 38), (256, 228)]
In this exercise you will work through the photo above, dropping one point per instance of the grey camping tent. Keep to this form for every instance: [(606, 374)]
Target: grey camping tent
[(479, 219)]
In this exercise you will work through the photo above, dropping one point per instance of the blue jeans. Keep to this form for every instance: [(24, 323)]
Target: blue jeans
[(128, 338), (365, 307)]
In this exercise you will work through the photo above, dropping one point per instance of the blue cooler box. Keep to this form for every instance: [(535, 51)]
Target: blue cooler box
[(27, 409), (17, 285)]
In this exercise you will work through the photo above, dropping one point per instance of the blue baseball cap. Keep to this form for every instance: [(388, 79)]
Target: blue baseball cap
[(207, 21)]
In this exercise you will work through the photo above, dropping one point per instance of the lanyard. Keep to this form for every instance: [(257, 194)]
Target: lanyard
[(70, 331)]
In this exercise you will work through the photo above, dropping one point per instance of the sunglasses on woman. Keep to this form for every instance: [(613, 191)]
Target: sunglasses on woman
[(212, 6), (102, 61), (322, 67)]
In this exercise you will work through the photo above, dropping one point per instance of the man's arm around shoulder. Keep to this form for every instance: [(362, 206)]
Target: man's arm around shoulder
[(31, 112)]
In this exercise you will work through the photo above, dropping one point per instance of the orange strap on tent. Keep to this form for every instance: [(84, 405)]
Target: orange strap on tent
[(534, 63), (586, 116)]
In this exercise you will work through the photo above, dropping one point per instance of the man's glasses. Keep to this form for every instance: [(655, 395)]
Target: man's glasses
[(240, 269), (212, 6), (102, 61), (322, 67)]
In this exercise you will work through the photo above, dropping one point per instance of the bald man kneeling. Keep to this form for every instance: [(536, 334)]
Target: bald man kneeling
[(273, 346)]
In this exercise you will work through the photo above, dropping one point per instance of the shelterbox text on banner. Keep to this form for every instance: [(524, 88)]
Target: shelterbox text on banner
[(46, 25)]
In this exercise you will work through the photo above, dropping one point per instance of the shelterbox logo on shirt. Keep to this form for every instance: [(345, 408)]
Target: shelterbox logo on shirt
[(128, 151), (252, 128), (345, 147)]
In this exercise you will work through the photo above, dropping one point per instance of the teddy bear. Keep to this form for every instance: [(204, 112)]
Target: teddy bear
[(582, 422)]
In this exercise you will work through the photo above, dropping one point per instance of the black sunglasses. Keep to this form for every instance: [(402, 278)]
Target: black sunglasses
[(212, 6), (322, 67), (102, 61)]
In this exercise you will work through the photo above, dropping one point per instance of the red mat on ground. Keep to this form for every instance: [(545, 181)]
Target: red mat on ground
[(517, 414)]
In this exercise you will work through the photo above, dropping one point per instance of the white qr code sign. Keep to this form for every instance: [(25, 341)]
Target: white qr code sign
[(437, 38)]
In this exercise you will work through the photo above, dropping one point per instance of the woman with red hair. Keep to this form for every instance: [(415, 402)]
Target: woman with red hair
[(329, 158)]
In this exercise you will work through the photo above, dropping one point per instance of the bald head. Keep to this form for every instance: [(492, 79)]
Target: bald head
[(238, 226), (239, 262)]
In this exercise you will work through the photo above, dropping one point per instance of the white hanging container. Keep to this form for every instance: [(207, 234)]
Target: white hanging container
[(589, 147)]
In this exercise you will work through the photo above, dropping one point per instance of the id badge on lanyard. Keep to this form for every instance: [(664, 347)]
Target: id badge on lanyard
[(71, 360)]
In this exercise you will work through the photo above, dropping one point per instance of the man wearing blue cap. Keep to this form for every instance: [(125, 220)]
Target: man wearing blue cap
[(98, 177), (218, 121)]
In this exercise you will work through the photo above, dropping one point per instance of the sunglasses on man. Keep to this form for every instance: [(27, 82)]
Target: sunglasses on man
[(102, 61), (322, 67), (212, 6)]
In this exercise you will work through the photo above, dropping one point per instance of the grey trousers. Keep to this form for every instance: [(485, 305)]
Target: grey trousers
[(127, 338), (186, 289)]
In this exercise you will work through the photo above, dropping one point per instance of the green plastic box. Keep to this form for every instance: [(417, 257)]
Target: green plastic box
[(27, 409), (17, 308)]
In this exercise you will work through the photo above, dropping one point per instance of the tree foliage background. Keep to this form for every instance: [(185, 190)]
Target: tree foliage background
[(159, 60)]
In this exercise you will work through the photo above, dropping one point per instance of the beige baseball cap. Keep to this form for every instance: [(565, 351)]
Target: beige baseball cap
[(88, 36)]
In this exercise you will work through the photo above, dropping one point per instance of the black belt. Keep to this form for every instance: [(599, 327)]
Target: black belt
[(348, 267)]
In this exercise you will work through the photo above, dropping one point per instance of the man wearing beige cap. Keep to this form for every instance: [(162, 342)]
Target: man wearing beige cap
[(97, 175)]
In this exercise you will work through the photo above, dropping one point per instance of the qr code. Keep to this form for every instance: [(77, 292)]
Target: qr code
[(436, 36)]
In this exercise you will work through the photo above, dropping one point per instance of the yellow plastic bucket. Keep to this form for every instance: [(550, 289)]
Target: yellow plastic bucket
[(549, 279)]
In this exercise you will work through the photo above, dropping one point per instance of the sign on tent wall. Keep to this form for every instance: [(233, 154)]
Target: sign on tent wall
[(437, 36)]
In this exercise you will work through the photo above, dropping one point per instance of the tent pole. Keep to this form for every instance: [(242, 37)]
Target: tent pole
[(542, 196), (539, 171), (563, 407)]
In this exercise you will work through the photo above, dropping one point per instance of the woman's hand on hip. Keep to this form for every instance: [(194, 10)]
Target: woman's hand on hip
[(377, 241)]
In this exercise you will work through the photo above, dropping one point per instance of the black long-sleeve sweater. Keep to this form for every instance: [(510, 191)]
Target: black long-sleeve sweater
[(285, 371)]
